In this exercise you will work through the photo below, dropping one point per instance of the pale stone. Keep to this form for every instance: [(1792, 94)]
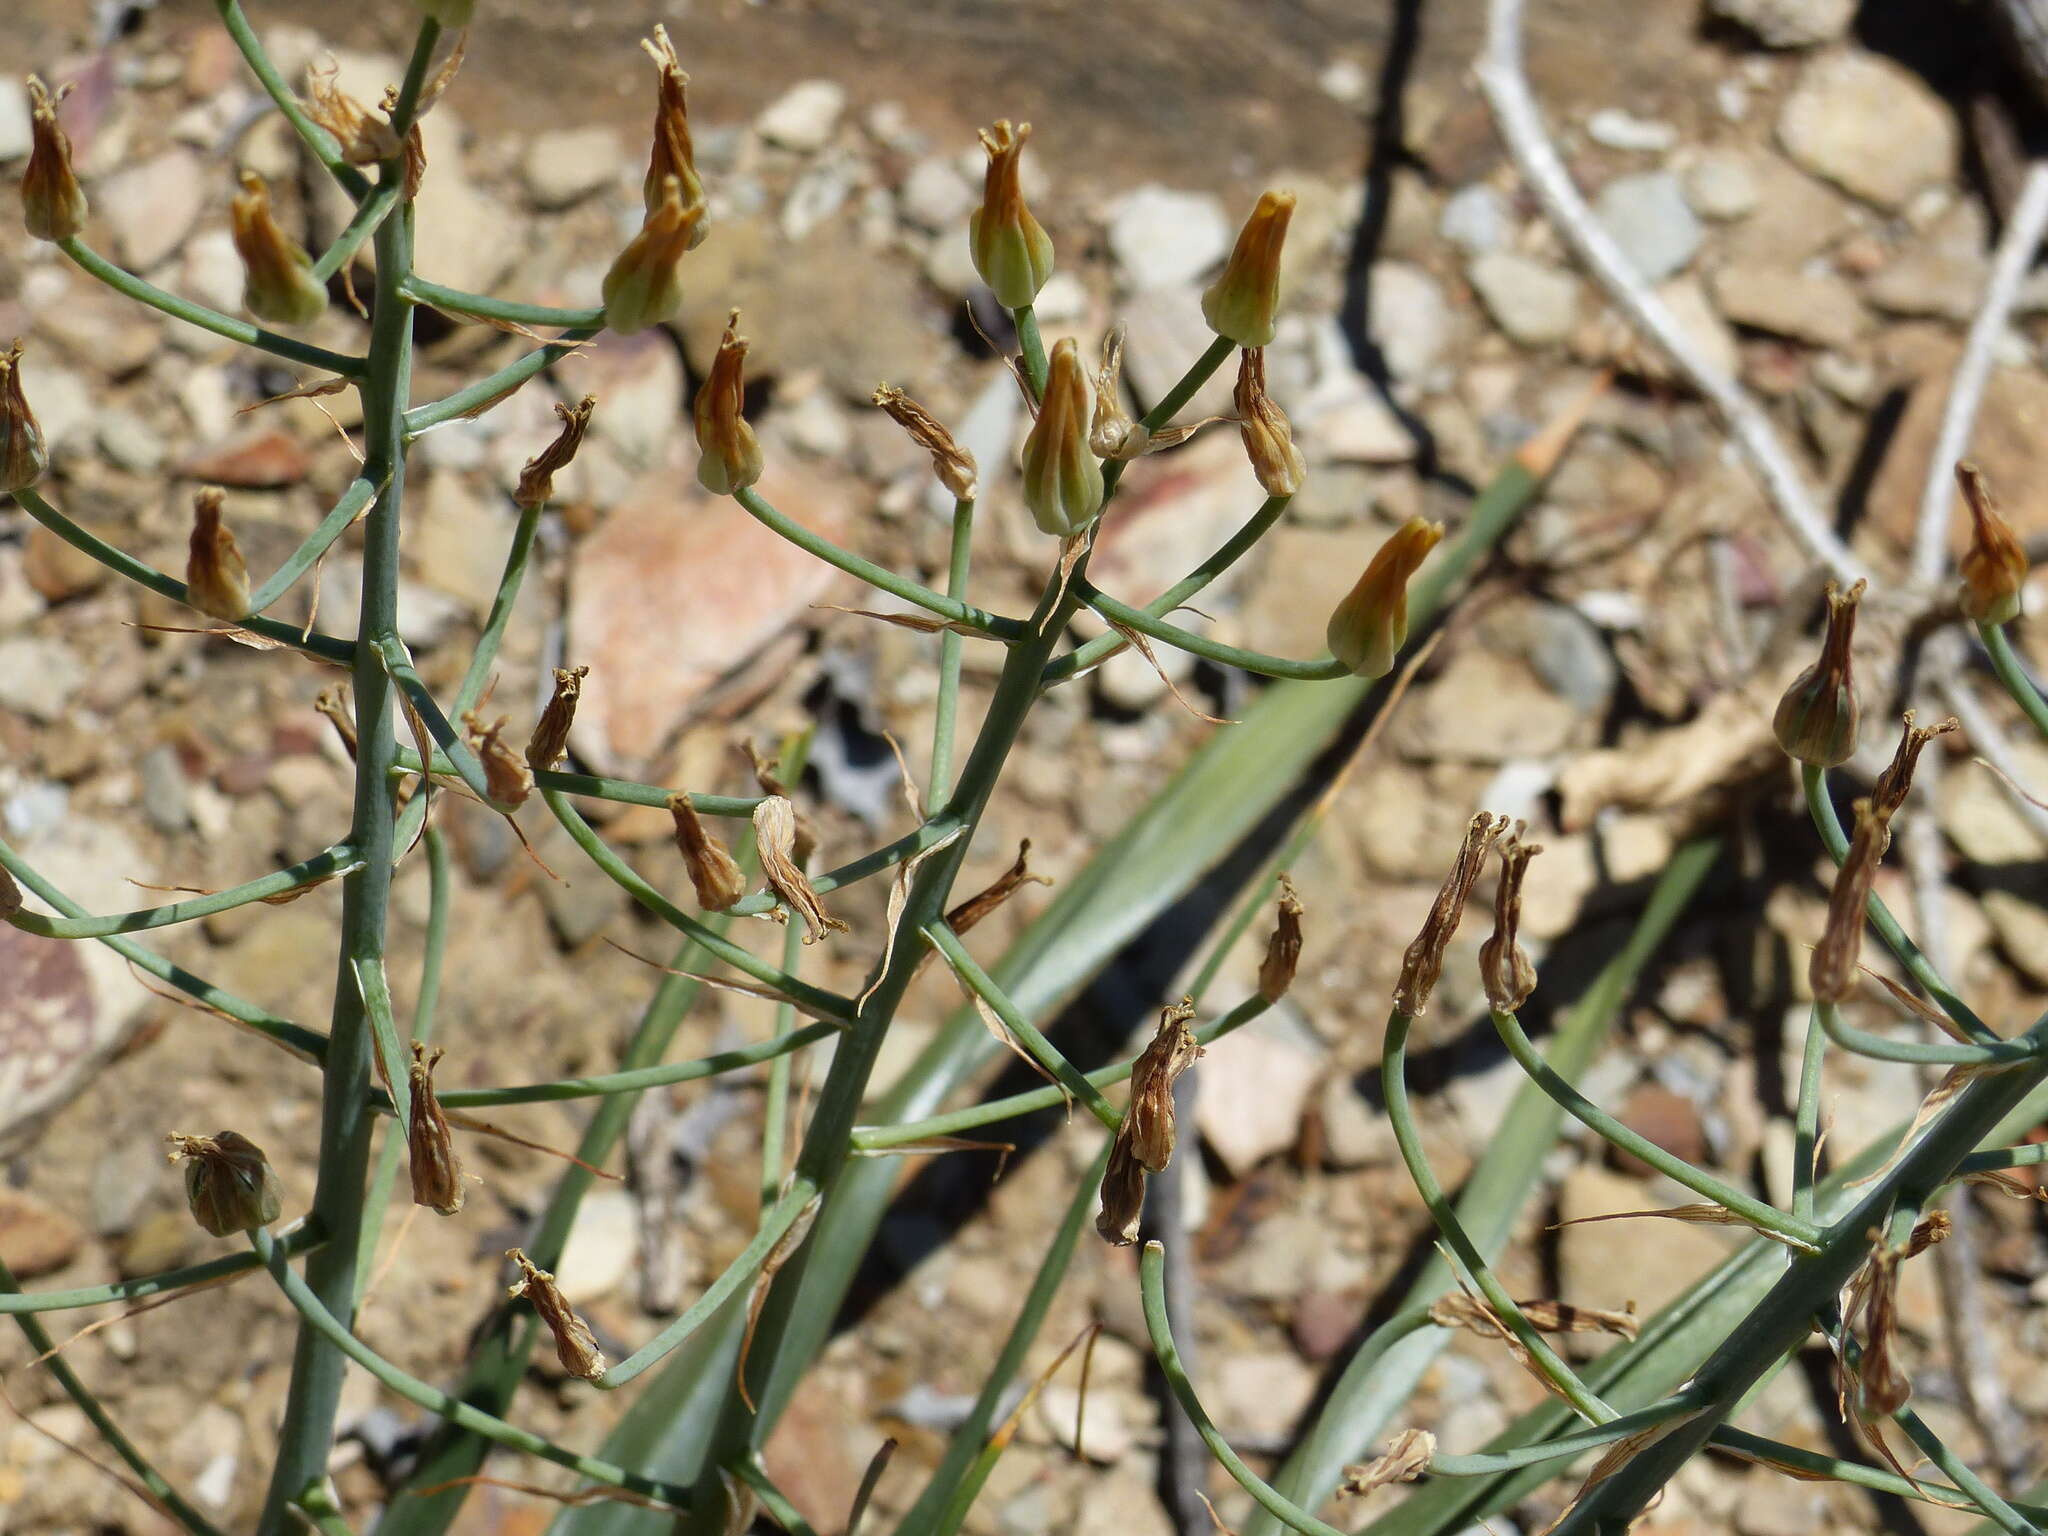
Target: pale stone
[(1870, 126)]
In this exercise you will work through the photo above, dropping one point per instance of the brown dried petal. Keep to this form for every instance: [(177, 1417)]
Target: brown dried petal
[(1407, 1458), (1888, 795), (216, 576), (1423, 961), (537, 478), (978, 906), (1882, 1387), (1831, 973), (713, 872), (506, 775), (1148, 1128), (364, 140), (1504, 965), (775, 836), (575, 1345), (1123, 1196), (953, 464), (550, 737), (229, 1183), (1283, 949), (1268, 437), (436, 1169)]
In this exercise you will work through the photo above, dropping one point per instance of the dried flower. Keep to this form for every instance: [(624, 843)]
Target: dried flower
[(966, 914), (1011, 251), (1503, 964), (1816, 719), (52, 202), (1112, 434), (1241, 304), (1283, 949), (1888, 795), (537, 479), (1994, 568), (1062, 480), (229, 1183), (550, 737), (953, 464), (575, 1345), (712, 870), (1831, 973), (1123, 1196), (216, 577), (1148, 1124), (673, 153), (732, 454), (644, 285), (1268, 439), (1423, 961), (363, 139), (1407, 1458), (1370, 626), (24, 455), (1930, 1229), (1881, 1387), (506, 774), (436, 1169), (775, 825), (278, 281)]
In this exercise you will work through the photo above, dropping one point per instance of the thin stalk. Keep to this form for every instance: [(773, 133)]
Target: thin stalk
[(359, 494), (1032, 347), (1806, 1120), (300, 1239), (2013, 676), (317, 139), (374, 210), (775, 1100), (1320, 669), (475, 399), (1487, 1463), (376, 994), (1168, 406), (1881, 1048), (390, 650), (751, 1471), (518, 556), (1834, 1468), (627, 792), (1966, 1481), (323, 1512), (2030, 1156), (945, 711), (338, 860), (456, 302)]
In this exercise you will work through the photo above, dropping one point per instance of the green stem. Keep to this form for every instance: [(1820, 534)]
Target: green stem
[(945, 712), (1321, 669), (476, 398), (1954, 1054), (338, 860), (627, 792), (1032, 347), (775, 1103), (2014, 676), (323, 1512), (1806, 1120), (1835, 1469), (359, 494), (300, 1239), (390, 651), (1966, 1481), (317, 139), (2030, 1156), (373, 212), (1169, 405), (750, 1470), (517, 557), (456, 302), (376, 996)]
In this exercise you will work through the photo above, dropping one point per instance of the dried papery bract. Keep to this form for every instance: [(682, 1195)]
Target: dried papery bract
[(363, 139), (1123, 1196), (674, 153), (1407, 1458), (1283, 949), (537, 478), (1011, 251), (24, 453), (775, 824), (644, 286), (229, 1183), (764, 770), (52, 202), (731, 453), (1148, 1126), (1888, 795), (712, 870), (216, 577), (953, 465), (1062, 479), (575, 1345), (1816, 719), (966, 914), (1831, 973), (436, 1169), (506, 774), (1243, 304), (278, 282), (1268, 438), (1994, 567), (1504, 965), (550, 737), (1423, 961), (1370, 626)]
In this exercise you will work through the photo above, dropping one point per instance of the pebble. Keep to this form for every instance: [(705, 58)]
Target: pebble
[(16, 129), (129, 441), (602, 1246), (151, 206), (804, 116), (1616, 129), (935, 196), (38, 676), (818, 194), (1534, 303), (1869, 126), (1411, 320), (36, 1238), (58, 570), (1255, 1085), (1458, 718), (1345, 80), (1819, 308), (1475, 219), (1942, 274), (816, 425), (1644, 1260), (1789, 23), (1260, 1395), (1720, 185), (565, 165), (257, 458), (165, 797), (1163, 238), (1651, 221), (211, 272), (160, 1241)]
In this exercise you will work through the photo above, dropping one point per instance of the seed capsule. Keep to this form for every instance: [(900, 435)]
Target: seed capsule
[(1011, 251), (435, 1166), (1242, 304), (1283, 949), (52, 202), (229, 1183), (216, 577), (1994, 568), (575, 1345), (1268, 438), (24, 454), (506, 774), (1062, 480), (278, 281), (1370, 626), (1816, 719), (731, 453), (644, 285), (713, 871)]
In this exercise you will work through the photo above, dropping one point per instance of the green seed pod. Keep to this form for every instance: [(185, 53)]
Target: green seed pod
[(1062, 480), (1243, 302), (644, 284), (1011, 250), (229, 1183), (1816, 719)]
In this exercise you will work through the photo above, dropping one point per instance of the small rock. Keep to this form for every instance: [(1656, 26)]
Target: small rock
[(1978, 816), (1941, 274), (166, 797), (1169, 507), (1563, 648), (1255, 1086), (1667, 1120), (2022, 929), (1260, 1396), (211, 272), (57, 569), (1650, 220), (640, 388), (1644, 1260), (458, 540), (152, 206), (130, 442), (565, 165), (38, 676), (1721, 185), (36, 1238), (260, 458), (1165, 332), (1162, 238), (1458, 718), (1324, 1322), (1360, 429), (451, 212), (1113, 1422), (1617, 129), (1820, 309), (123, 1175), (1789, 23), (16, 130), (1870, 126), (818, 194), (1475, 219), (1411, 320), (1344, 80), (803, 117), (1535, 304), (602, 1246), (935, 196), (817, 426), (160, 1241)]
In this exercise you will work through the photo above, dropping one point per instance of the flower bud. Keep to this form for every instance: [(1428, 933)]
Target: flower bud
[(673, 153), (575, 1345), (229, 1183), (537, 478), (216, 578), (1011, 251), (506, 774), (23, 453), (1241, 303), (1816, 719), (436, 1169), (550, 737), (732, 454), (1994, 568), (1504, 965), (644, 284), (953, 464), (1268, 439), (52, 202), (278, 281), (712, 869), (1062, 480), (1370, 626)]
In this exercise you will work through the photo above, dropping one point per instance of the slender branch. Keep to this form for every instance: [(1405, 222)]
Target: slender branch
[(751, 1471), (1806, 1119), (1833, 1468), (390, 651), (1032, 347), (775, 1098), (338, 860), (315, 138), (300, 1239), (1168, 405), (518, 555), (1322, 669), (455, 301), (361, 491), (374, 210), (945, 711), (486, 392), (1862, 1042)]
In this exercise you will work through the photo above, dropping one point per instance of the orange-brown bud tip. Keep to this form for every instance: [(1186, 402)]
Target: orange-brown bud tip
[(550, 737), (1816, 720), (1011, 251), (1243, 303), (1370, 626), (731, 453), (1994, 568), (52, 202), (1268, 437), (674, 153)]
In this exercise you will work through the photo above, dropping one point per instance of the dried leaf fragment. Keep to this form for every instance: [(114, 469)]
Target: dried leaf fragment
[(978, 906), (775, 835), (1148, 1126), (436, 1168), (537, 478), (550, 739), (1461, 1309), (506, 775), (952, 464), (1423, 961), (363, 139), (1283, 949), (575, 1345), (713, 871), (1831, 973), (1405, 1459)]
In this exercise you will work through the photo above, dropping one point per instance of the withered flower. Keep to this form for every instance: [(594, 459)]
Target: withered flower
[(537, 478), (775, 823), (712, 870), (953, 464), (731, 453), (363, 139), (1242, 304), (216, 576), (1881, 1386), (1994, 568), (436, 1169), (1896, 782), (1831, 973), (1283, 949), (279, 285), (575, 1345), (1123, 1196), (506, 774), (1423, 961), (1930, 1229), (966, 914), (644, 285), (1407, 1458), (1062, 480), (1268, 438), (673, 153), (1112, 434), (24, 454), (1370, 626), (229, 1183), (1816, 719), (550, 737), (52, 202), (1011, 251), (1504, 965), (1148, 1124)]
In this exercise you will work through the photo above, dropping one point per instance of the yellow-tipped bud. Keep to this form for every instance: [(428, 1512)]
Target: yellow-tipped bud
[(1370, 626), (644, 286), (216, 577), (23, 453), (1012, 252), (1241, 304), (52, 202), (229, 1183), (1062, 480), (1268, 438), (278, 282), (1994, 568), (1816, 719), (732, 454), (673, 154)]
